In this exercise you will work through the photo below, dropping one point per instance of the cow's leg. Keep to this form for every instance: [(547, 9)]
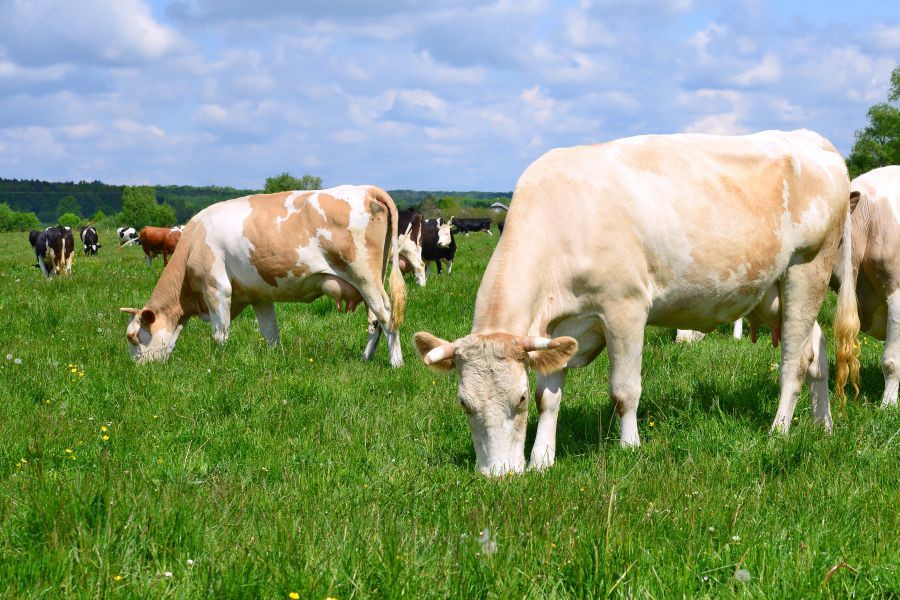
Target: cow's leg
[(377, 301), (438, 263), (548, 392), (268, 324), (449, 267), (374, 330), (802, 291), (738, 331), (69, 262), (165, 258), (624, 331), (149, 260), (817, 378), (488, 231), (217, 295), (890, 361), (44, 268)]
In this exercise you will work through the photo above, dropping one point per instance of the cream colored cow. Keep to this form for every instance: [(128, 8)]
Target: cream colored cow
[(876, 265), (286, 247), (681, 231)]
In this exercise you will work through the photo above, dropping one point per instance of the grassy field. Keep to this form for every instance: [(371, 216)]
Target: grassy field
[(245, 471)]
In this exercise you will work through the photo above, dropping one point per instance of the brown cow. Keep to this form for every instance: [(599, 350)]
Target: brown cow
[(285, 247), (159, 240)]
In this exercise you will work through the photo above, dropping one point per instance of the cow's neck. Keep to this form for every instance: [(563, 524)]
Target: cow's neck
[(514, 291), (171, 297)]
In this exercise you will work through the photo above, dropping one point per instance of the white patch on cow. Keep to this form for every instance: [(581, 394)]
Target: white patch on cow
[(324, 233), (314, 202), (291, 208), (355, 196), (312, 258)]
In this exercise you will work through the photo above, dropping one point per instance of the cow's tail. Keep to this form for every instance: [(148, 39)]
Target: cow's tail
[(396, 285), (846, 321)]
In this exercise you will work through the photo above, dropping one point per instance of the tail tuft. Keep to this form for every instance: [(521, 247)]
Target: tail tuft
[(846, 323), (398, 297)]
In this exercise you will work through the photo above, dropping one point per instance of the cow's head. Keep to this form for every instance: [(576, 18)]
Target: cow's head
[(493, 387), (33, 237), (444, 234), (411, 253), (150, 335)]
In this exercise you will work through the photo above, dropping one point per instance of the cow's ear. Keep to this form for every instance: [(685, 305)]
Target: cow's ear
[(855, 197), (148, 316), (549, 356), (435, 352)]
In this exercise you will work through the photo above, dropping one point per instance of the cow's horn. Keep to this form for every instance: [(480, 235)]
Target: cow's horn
[(440, 353), (536, 343), (131, 311)]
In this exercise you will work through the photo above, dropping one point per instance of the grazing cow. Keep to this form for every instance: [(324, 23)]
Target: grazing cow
[(90, 239), (468, 225), (411, 255), (681, 231), (875, 257), (126, 235), (159, 240), (438, 244), (53, 248), (285, 247), (501, 225)]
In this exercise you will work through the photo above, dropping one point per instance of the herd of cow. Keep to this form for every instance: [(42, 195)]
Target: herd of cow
[(684, 231)]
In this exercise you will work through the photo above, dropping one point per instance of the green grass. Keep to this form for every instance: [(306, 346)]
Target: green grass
[(303, 469)]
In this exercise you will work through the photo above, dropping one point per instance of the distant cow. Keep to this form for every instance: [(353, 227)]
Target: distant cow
[(53, 248), (126, 235), (159, 240), (500, 226), (411, 256), (438, 244), (90, 239), (468, 225), (285, 247), (410, 227), (875, 258)]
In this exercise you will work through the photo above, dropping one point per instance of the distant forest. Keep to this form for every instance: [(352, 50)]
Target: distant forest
[(44, 198)]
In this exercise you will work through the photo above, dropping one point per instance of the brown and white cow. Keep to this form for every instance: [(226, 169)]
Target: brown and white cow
[(682, 231), (875, 230), (410, 227), (285, 247), (159, 240)]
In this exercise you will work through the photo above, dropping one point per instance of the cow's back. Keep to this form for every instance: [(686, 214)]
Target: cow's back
[(269, 243), (673, 217)]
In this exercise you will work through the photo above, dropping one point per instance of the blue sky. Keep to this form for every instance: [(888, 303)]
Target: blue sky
[(453, 95)]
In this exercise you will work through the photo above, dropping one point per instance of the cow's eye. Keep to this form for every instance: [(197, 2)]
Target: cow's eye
[(523, 399)]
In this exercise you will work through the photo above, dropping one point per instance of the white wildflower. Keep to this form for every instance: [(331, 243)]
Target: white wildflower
[(742, 575)]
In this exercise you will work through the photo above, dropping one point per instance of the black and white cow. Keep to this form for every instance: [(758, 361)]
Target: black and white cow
[(126, 234), (438, 244), (90, 239), (467, 225), (53, 248)]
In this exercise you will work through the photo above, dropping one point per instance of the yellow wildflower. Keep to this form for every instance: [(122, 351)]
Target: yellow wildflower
[(69, 451), (105, 438), (294, 596), (81, 373), (117, 578), (159, 461), (103, 428)]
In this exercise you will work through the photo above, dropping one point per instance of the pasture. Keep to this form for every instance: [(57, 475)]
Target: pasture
[(247, 471)]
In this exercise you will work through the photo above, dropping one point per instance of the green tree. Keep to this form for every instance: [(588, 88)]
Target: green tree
[(26, 220), (69, 220), (139, 208), (68, 204), (286, 182), (878, 144), (98, 217)]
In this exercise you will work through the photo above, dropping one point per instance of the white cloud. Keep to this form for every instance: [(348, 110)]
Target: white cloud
[(767, 71), (113, 32)]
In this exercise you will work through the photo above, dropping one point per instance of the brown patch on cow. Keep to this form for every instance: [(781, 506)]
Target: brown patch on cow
[(341, 249), (276, 235)]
